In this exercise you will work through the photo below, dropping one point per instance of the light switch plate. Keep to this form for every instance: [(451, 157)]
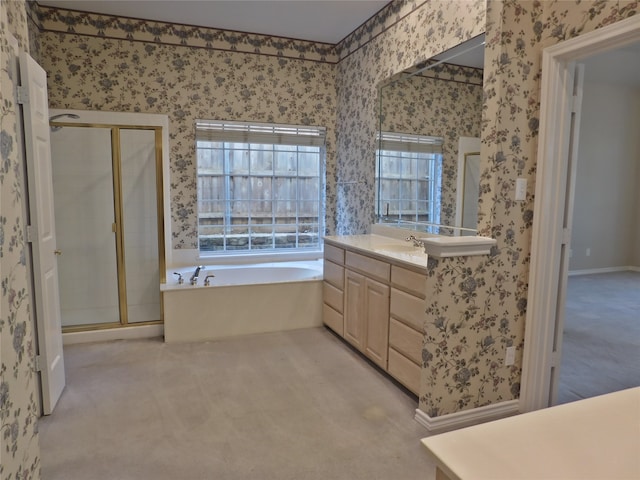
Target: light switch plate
[(510, 356), (521, 189)]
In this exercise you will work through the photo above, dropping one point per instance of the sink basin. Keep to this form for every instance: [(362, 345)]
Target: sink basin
[(398, 248)]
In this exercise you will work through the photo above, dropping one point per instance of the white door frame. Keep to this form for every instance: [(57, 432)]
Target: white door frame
[(551, 188)]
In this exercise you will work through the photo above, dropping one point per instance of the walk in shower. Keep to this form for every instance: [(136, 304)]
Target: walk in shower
[(107, 181)]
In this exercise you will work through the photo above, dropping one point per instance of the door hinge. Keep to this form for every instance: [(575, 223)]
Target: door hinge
[(38, 363), (29, 234), (566, 236), (555, 359), (23, 95)]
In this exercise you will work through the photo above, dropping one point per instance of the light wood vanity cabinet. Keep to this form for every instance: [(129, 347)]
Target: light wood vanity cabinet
[(378, 308), (366, 321), (333, 289), (406, 318)]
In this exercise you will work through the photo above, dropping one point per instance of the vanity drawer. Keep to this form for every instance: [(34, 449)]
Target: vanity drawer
[(333, 319), (404, 370), (334, 274), (332, 296), (406, 340), (409, 281), (335, 254), (408, 309), (370, 266)]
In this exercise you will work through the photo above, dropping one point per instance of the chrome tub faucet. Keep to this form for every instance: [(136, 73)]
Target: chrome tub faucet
[(194, 277)]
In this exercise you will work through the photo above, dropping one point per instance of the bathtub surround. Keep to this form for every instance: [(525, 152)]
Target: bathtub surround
[(285, 405), (233, 300)]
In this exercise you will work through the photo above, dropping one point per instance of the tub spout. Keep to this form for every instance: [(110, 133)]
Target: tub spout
[(194, 277), (207, 282)]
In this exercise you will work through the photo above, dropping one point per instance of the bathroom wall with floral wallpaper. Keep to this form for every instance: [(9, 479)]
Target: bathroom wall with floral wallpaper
[(19, 449), (413, 32), (479, 304), (476, 305), (98, 62), (445, 102)]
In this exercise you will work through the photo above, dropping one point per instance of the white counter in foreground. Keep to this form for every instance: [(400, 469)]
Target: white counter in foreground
[(596, 438)]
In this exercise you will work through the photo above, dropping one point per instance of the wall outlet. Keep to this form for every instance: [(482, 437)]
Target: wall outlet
[(510, 356), (588, 252)]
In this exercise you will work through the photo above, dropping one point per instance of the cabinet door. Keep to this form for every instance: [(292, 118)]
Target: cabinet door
[(377, 331), (354, 312)]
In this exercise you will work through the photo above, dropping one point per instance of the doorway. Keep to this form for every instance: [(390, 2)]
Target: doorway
[(108, 196), (559, 119), (601, 335)]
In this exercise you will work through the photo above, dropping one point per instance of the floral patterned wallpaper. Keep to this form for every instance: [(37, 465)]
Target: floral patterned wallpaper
[(435, 26), (19, 451), (134, 73), (479, 304), (445, 102), (140, 30)]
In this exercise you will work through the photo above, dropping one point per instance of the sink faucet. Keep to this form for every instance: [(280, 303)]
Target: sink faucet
[(416, 242), (194, 277)]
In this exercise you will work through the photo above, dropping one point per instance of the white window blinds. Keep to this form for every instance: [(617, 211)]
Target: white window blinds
[(257, 133), (403, 142)]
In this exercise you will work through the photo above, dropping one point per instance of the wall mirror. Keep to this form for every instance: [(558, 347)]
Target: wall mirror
[(430, 118)]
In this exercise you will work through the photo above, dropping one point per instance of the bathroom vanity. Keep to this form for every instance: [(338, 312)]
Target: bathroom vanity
[(374, 293), (374, 297)]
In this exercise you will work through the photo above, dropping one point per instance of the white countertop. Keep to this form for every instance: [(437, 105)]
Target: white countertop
[(596, 438), (390, 249)]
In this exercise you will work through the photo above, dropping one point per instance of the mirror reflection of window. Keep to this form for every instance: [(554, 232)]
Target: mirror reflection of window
[(439, 97), (408, 178), (471, 190)]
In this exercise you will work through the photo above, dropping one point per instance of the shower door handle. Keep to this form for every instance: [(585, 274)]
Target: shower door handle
[(57, 252)]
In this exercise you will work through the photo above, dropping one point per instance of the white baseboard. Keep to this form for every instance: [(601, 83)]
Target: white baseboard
[(466, 418), (124, 333), (589, 271)]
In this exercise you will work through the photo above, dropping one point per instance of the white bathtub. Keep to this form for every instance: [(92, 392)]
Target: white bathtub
[(241, 300)]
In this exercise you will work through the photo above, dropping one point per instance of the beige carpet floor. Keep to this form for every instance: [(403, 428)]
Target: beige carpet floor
[(291, 405), (601, 341)]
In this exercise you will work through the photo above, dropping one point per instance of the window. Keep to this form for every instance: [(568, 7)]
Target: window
[(260, 187), (408, 177)]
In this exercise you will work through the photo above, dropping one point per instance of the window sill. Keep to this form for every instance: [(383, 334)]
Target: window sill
[(247, 258)]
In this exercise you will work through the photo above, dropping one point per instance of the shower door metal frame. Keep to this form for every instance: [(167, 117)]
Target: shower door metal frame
[(118, 227)]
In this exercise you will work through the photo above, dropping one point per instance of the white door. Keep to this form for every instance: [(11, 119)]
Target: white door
[(42, 230), (567, 224)]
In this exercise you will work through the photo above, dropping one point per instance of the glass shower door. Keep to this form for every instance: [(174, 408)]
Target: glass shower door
[(84, 213), (138, 159)]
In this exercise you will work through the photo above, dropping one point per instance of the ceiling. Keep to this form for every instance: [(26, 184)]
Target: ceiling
[(328, 21)]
